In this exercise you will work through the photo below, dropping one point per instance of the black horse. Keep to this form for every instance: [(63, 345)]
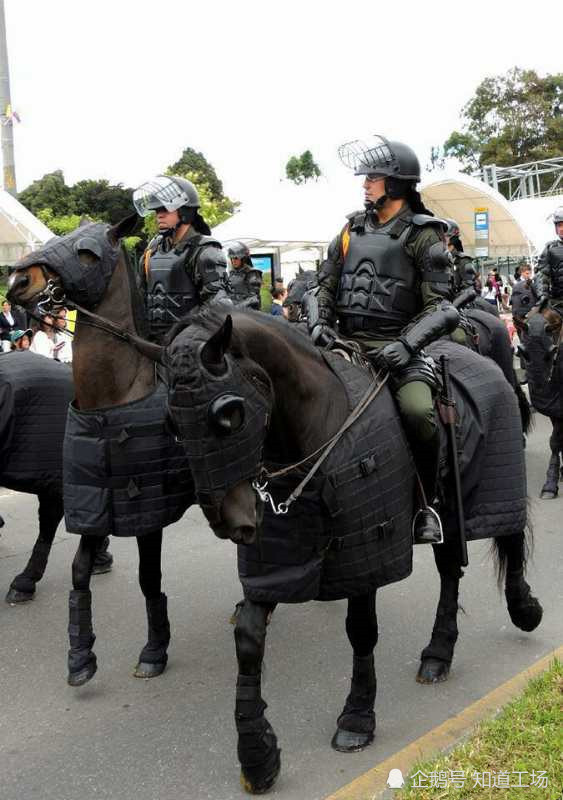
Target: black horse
[(34, 394), (542, 353), (252, 398)]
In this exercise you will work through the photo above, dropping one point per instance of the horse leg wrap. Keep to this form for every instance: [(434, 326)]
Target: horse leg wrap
[(358, 714), (445, 632), (258, 752), (524, 609), (551, 484), (80, 632), (154, 652), (35, 568)]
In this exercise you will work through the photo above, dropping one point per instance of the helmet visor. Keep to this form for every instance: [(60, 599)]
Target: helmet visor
[(371, 156), (160, 192)]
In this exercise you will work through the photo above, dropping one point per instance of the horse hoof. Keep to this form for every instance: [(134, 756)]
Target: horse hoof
[(82, 676), (527, 616), (16, 597), (261, 785), (549, 494), (432, 670), (351, 741), (146, 670)]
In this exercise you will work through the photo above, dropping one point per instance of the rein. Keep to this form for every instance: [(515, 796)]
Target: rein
[(260, 485)]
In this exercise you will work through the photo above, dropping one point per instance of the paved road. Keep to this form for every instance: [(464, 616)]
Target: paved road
[(174, 737)]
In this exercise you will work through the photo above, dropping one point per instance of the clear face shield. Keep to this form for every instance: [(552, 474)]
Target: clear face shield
[(160, 192), (371, 156)]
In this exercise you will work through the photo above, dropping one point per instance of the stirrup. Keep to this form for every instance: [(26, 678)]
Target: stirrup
[(436, 515)]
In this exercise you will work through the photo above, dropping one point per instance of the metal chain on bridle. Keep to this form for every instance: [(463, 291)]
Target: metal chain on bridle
[(261, 486)]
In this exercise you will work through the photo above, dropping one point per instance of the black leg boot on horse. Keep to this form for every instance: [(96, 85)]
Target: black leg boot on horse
[(436, 658), (356, 724), (524, 609), (154, 655), (550, 489), (258, 750), (104, 559), (22, 588), (82, 664)]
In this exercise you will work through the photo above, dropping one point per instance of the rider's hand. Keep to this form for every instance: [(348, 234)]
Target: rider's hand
[(323, 336), (396, 355)]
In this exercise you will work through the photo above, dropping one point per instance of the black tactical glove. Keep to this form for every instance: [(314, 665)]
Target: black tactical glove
[(323, 336), (396, 355)]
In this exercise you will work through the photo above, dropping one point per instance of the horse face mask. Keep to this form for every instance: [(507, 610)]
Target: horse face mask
[(84, 260), (220, 405)]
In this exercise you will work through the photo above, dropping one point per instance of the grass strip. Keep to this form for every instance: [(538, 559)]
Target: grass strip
[(518, 754)]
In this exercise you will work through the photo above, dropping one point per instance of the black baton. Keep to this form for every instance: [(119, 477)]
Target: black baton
[(449, 409)]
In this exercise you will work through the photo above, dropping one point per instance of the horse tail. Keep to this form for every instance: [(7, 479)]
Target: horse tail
[(524, 406), (503, 547)]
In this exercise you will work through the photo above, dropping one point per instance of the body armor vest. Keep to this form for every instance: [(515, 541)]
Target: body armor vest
[(171, 292), (239, 280), (378, 288), (555, 261)]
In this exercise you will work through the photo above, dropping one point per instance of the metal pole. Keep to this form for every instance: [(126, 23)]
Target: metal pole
[(7, 126)]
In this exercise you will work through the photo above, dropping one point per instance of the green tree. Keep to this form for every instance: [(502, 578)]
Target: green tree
[(101, 200), (511, 119), (51, 192), (300, 169), (194, 163)]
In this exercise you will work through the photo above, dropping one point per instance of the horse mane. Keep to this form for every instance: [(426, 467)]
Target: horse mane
[(210, 318)]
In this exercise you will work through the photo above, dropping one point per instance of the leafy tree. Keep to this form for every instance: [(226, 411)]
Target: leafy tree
[(194, 163), (511, 119), (51, 192), (99, 199), (300, 169)]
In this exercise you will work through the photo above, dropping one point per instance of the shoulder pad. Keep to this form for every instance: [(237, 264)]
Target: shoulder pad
[(355, 214), (154, 242), (426, 219), (204, 241)]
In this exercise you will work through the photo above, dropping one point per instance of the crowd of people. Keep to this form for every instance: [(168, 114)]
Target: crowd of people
[(49, 338)]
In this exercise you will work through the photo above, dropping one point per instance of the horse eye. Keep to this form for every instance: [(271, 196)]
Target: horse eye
[(226, 414)]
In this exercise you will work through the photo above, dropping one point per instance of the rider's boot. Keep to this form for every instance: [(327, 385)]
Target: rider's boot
[(427, 526)]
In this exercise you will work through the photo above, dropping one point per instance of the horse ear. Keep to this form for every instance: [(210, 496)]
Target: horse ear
[(124, 227), (213, 351), (300, 271)]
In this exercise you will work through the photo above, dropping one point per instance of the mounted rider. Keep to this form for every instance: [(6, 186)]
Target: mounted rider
[(550, 268), (184, 266), (385, 280), (245, 280), (464, 272)]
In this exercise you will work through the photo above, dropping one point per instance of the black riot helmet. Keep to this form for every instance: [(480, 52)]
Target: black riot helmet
[(173, 193), (453, 227), (377, 157), (238, 250)]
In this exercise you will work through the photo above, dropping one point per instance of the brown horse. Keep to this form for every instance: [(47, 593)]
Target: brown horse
[(542, 353), (89, 266)]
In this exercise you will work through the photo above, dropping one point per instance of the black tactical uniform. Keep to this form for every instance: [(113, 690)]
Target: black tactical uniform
[(178, 275), (245, 280), (382, 282), (550, 269)]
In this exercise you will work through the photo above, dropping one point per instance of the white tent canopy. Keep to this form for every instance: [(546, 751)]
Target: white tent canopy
[(20, 231), (458, 196)]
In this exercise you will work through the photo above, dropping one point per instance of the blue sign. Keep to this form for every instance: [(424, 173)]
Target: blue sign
[(262, 262)]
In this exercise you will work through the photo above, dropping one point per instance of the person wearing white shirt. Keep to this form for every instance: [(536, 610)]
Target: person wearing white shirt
[(63, 340), (44, 340)]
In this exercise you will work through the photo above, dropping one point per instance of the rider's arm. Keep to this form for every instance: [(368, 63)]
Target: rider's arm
[(436, 278), (211, 274), (329, 279), (543, 275)]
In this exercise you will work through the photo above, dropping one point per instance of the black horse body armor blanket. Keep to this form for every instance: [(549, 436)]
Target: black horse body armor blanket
[(350, 531), (491, 456), (124, 474), (34, 394), (545, 383)]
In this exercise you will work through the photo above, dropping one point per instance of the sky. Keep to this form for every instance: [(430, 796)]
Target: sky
[(116, 89)]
